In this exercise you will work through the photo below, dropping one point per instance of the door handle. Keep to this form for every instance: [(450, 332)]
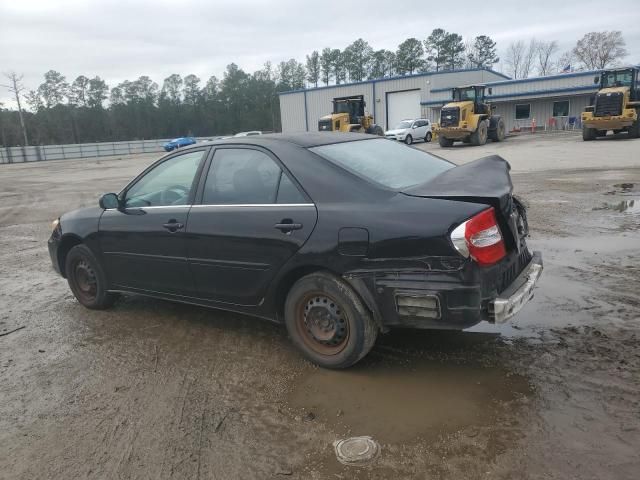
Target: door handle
[(173, 226), (287, 226)]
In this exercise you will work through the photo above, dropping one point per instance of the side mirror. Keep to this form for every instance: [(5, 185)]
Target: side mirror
[(596, 79), (414, 126), (109, 200), (490, 91)]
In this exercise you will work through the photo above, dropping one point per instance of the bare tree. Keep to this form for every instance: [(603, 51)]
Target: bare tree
[(528, 58), (520, 58), (514, 58), (598, 50), (16, 87), (546, 51)]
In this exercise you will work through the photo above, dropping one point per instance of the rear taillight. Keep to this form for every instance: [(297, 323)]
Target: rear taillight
[(480, 238)]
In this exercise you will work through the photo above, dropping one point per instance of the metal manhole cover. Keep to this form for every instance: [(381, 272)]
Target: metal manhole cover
[(356, 450)]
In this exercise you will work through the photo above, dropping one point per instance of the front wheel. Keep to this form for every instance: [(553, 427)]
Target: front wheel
[(428, 137), (444, 142), (377, 130), (328, 322), (87, 279), (408, 140), (634, 129), (479, 137), (588, 133)]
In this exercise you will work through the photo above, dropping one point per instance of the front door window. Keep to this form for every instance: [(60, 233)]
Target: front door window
[(169, 183)]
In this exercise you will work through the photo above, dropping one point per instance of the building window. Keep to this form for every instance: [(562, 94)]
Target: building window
[(561, 109), (523, 110)]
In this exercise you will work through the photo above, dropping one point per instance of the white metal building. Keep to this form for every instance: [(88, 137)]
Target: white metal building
[(396, 98), (548, 102)]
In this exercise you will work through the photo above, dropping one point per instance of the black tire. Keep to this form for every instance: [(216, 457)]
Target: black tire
[(634, 129), (428, 137), (408, 139), (588, 133), (498, 134), (445, 142), (87, 279), (328, 322), (479, 137)]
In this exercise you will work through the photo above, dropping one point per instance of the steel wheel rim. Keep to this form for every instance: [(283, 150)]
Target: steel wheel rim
[(322, 323), (85, 280)]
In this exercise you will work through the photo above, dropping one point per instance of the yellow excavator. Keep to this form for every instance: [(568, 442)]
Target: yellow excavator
[(469, 119), (349, 116), (615, 107)]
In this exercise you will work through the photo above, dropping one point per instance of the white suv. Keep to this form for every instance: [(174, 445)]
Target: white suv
[(408, 131)]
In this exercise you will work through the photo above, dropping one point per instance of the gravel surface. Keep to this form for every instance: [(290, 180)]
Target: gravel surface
[(152, 389)]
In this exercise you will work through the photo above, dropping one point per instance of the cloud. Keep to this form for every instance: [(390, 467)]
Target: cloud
[(120, 40)]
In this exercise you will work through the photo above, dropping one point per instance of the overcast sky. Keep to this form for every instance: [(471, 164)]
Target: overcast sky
[(118, 39)]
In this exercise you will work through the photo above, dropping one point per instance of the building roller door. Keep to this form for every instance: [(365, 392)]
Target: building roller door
[(401, 106)]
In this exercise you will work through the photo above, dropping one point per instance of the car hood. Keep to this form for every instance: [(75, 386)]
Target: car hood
[(397, 131)]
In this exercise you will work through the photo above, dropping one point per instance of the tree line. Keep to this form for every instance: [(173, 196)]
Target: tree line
[(88, 110)]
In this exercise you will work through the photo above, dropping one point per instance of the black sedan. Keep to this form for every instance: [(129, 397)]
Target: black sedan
[(338, 236)]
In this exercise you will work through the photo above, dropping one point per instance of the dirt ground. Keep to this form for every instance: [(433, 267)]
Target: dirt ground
[(157, 390)]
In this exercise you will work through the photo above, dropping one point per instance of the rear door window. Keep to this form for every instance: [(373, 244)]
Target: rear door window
[(244, 176)]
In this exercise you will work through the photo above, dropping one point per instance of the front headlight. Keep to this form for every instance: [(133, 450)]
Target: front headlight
[(55, 224)]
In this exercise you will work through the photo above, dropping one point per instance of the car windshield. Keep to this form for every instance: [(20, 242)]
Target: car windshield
[(405, 124), (386, 163), (617, 79), (175, 140)]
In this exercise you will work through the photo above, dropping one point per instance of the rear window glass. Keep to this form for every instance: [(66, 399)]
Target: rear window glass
[(385, 162)]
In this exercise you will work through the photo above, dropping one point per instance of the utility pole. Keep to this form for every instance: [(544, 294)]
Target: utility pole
[(15, 86)]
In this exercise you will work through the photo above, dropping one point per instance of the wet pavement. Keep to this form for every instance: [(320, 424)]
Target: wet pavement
[(152, 389)]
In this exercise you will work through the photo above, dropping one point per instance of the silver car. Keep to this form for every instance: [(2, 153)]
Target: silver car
[(408, 131)]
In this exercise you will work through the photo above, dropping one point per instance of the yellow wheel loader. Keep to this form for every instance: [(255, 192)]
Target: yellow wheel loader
[(349, 116), (469, 119), (615, 107)]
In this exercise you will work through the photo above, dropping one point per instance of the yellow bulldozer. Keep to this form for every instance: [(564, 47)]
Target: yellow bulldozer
[(615, 107), (349, 116), (469, 119)]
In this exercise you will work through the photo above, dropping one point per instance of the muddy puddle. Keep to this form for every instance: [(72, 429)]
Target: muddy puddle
[(623, 206), (624, 189), (423, 399)]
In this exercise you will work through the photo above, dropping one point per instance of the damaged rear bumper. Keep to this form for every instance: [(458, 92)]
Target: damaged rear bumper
[(518, 294), (453, 299)]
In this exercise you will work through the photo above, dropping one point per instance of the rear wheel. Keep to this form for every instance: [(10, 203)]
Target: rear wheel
[(428, 137), (408, 139), (328, 322), (498, 134), (444, 142), (588, 133), (87, 279), (479, 137)]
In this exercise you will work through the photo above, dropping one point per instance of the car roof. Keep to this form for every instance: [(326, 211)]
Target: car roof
[(301, 139)]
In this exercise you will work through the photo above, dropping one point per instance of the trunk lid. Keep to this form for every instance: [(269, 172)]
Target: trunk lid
[(487, 181)]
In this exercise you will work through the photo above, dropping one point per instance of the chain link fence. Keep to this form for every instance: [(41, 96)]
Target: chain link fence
[(82, 150)]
